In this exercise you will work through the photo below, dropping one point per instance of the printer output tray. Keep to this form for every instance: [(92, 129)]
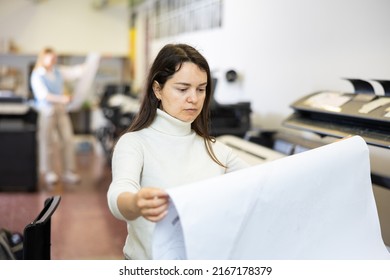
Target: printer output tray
[(342, 114)]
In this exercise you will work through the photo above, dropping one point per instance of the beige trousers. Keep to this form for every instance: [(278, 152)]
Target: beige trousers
[(55, 131)]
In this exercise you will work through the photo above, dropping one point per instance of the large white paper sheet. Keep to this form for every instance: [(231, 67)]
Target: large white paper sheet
[(317, 204)]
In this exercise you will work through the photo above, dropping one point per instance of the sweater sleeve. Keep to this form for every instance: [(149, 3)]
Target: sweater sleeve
[(229, 157), (234, 162), (127, 163)]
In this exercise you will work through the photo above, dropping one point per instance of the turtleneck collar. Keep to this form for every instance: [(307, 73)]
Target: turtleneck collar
[(167, 124)]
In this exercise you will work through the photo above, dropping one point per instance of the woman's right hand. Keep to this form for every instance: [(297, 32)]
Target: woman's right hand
[(152, 203), (66, 99)]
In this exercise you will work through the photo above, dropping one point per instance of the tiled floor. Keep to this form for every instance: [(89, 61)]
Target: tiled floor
[(82, 226)]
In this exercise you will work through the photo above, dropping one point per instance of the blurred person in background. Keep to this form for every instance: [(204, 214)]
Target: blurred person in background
[(51, 100)]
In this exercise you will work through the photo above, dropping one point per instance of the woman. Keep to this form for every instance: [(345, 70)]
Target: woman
[(167, 145), (47, 83)]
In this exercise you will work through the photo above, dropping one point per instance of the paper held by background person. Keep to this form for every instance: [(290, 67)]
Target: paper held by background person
[(317, 204), (84, 83)]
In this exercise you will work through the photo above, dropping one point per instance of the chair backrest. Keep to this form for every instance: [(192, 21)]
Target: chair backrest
[(37, 234)]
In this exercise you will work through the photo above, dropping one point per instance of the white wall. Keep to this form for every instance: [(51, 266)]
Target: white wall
[(71, 26), (287, 49)]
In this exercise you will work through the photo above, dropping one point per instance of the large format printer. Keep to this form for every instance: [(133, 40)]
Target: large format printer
[(324, 117), (18, 144), (333, 115), (336, 114)]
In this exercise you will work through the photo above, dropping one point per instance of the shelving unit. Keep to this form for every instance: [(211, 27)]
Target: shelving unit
[(15, 69)]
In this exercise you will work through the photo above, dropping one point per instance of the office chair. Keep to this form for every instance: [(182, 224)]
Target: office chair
[(37, 234)]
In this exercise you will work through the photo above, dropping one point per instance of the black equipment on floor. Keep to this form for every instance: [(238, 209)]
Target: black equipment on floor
[(37, 234)]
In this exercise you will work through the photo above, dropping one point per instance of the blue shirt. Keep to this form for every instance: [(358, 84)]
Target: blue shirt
[(44, 83)]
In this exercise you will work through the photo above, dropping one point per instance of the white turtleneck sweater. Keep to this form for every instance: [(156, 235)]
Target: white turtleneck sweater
[(166, 154)]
